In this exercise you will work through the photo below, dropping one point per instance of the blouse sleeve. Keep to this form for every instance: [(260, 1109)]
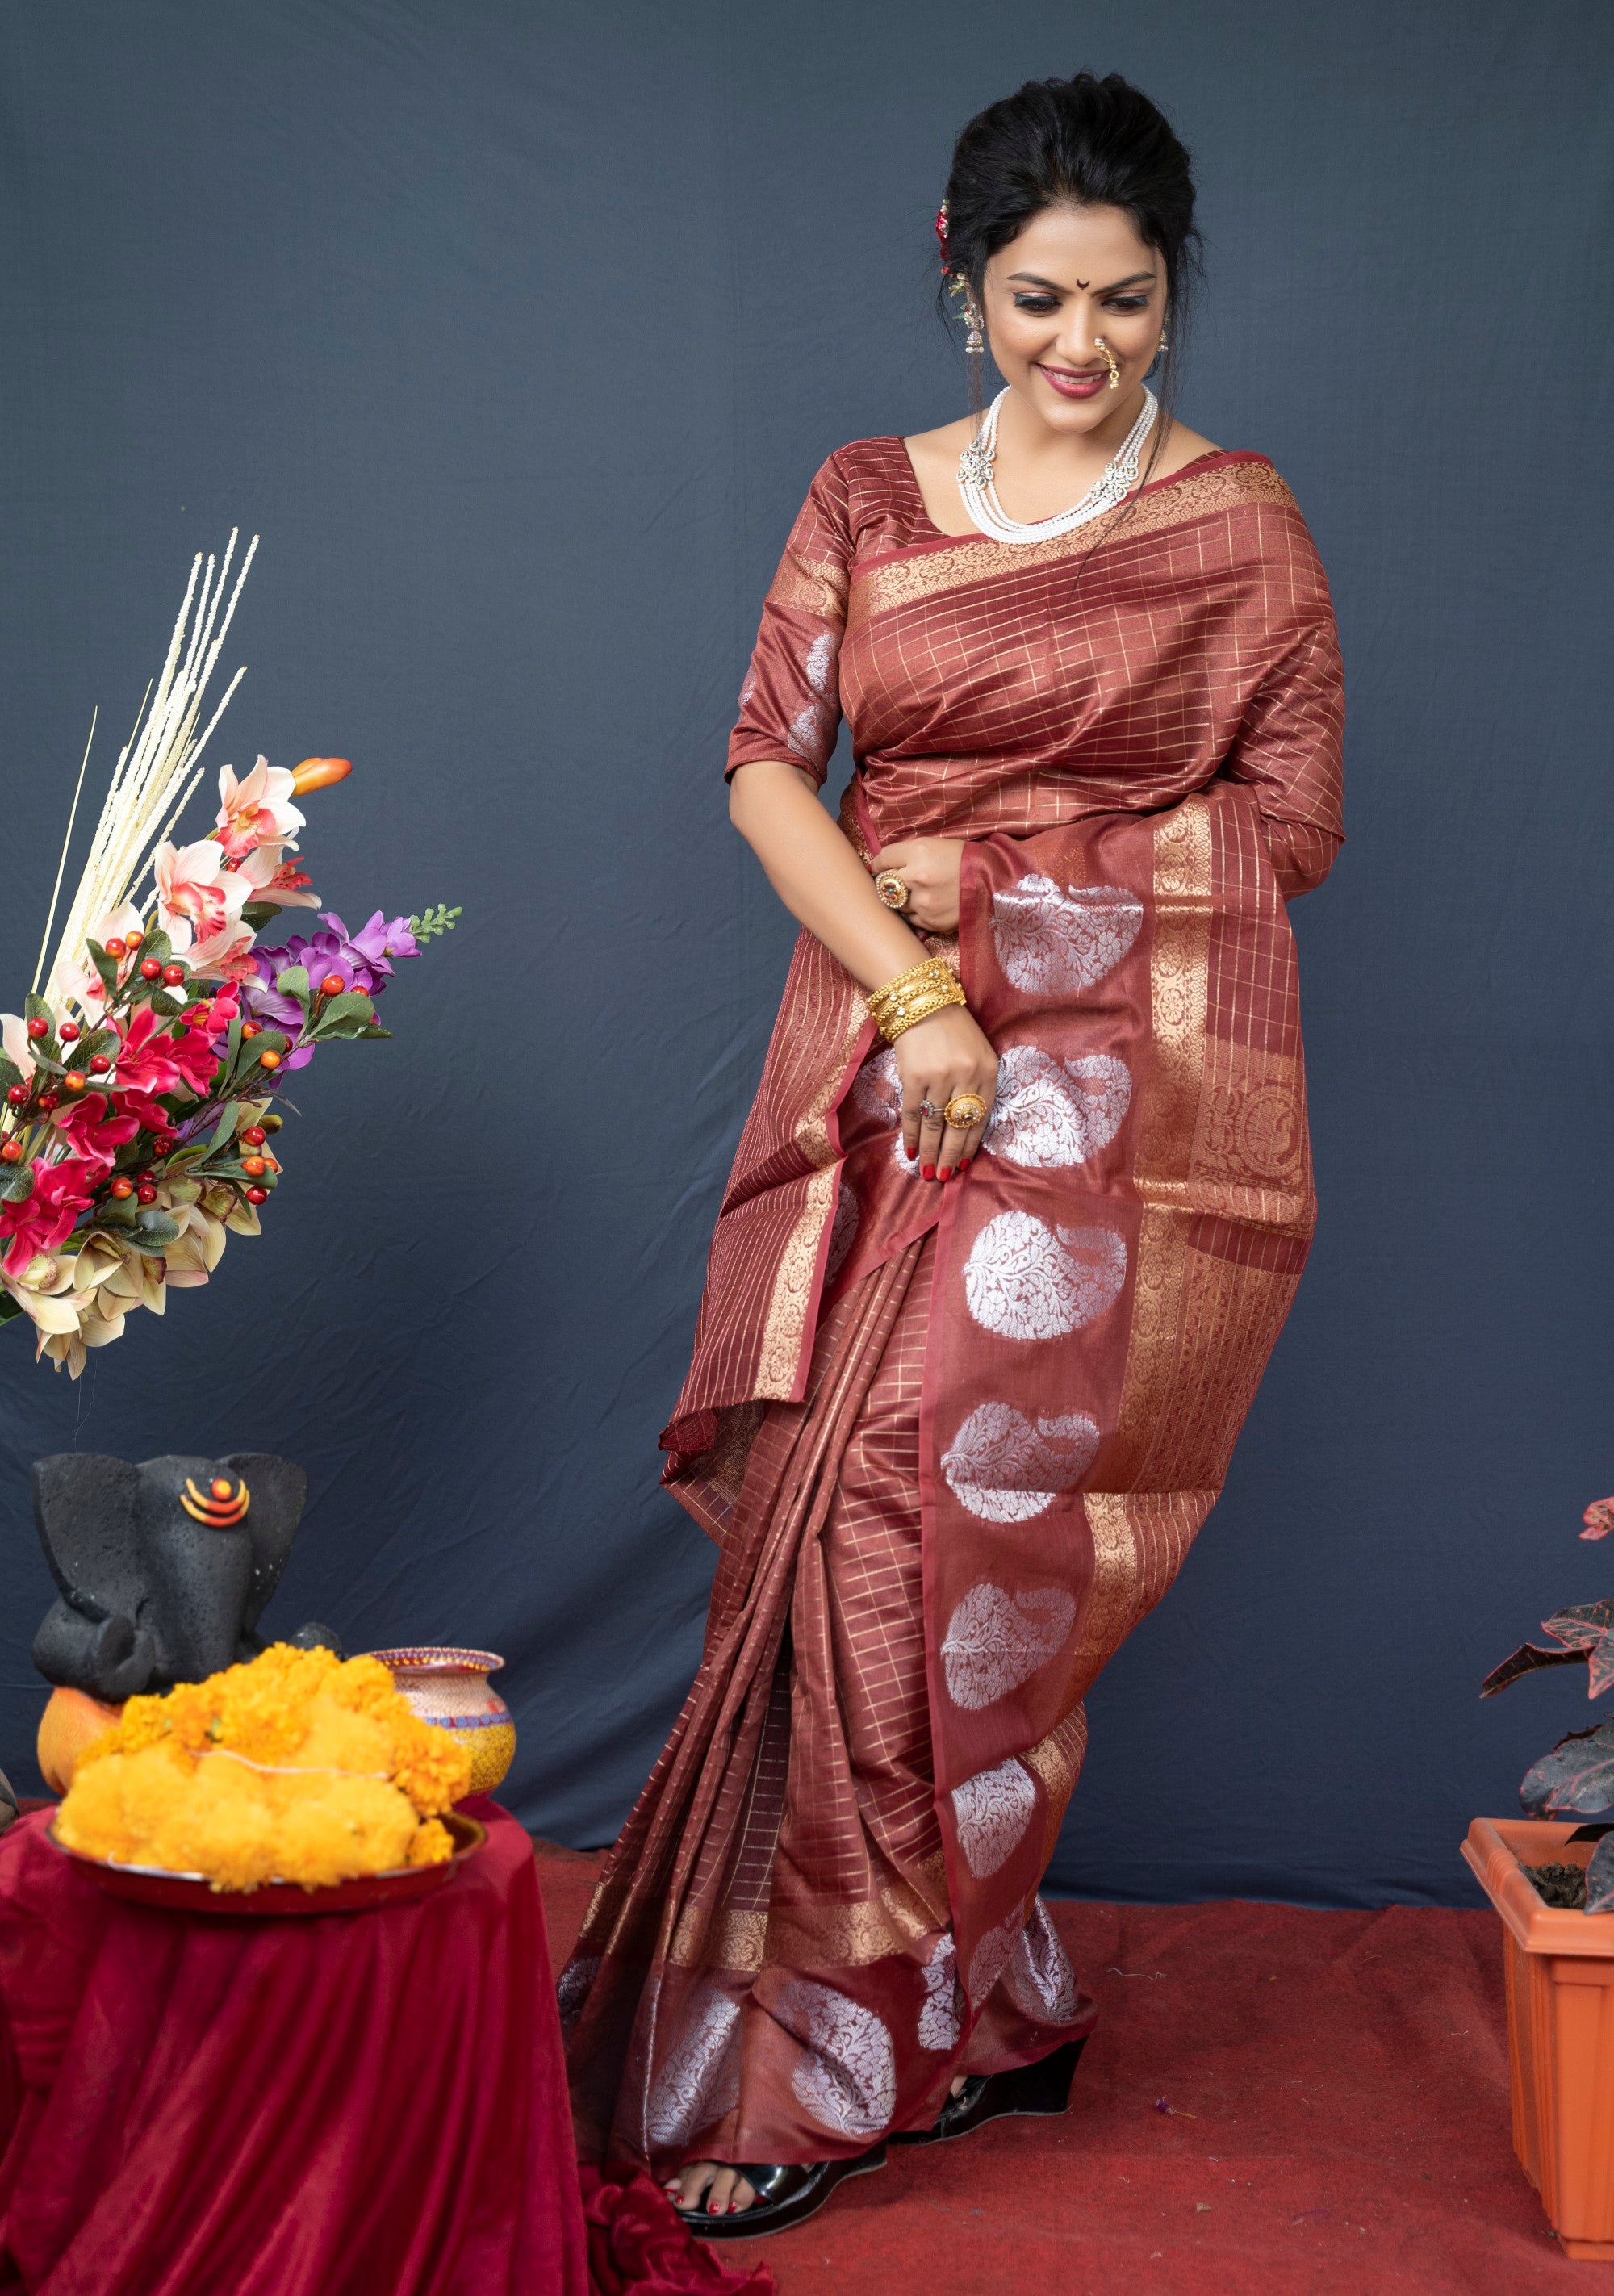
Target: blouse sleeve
[(789, 705), (1289, 748)]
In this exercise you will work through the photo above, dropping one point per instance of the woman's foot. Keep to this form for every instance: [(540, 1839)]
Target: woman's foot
[(745, 2201), (710, 2186)]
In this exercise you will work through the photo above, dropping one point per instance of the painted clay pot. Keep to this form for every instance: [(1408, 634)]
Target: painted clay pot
[(450, 1689), (71, 1721)]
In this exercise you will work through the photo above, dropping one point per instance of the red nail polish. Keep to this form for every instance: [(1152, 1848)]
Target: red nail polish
[(712, 2210), (946, 1173), (927, 1171), (964, 1163)]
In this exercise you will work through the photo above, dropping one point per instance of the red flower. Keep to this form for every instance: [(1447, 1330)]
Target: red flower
[(96, 1132), (151, 1061), (49, 1216)]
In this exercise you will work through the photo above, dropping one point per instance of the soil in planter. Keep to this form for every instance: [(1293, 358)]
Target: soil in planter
[(1560, 1885)]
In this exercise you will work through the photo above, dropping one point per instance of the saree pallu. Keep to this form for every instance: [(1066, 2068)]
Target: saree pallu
[(954, 1442)]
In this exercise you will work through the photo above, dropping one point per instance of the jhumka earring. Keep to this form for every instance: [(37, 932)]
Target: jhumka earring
[(958, 286), (1110, 361)]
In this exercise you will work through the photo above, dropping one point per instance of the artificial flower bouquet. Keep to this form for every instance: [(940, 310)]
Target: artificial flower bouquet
[(138, 1129), (294, 1767)]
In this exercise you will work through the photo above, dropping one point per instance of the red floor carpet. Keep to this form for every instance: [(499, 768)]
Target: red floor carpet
[(1275, 2101)]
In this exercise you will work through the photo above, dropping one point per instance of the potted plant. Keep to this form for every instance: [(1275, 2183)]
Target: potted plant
[(1552, 1880)]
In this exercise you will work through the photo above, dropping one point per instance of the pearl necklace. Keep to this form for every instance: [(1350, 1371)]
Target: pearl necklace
[(1112, 486)]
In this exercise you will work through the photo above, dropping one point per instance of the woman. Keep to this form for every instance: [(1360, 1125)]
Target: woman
[(1017, 1215)]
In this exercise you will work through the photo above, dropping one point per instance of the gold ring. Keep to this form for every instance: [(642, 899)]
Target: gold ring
[(891, 890), (965, 1110)]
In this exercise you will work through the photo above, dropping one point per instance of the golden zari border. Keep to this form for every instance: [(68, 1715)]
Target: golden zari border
[(1179, 968), (811, 586), (903, 581), (822, 1936)]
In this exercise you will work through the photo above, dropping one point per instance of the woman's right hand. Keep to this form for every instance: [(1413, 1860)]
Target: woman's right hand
[(948, 1053)]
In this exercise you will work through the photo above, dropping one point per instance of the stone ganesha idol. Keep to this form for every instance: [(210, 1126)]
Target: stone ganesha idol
[(164, 1568)]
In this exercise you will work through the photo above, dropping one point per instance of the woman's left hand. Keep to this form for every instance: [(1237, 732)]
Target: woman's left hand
[(929, 868)]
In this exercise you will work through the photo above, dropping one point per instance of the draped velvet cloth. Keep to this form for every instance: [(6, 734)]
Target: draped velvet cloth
[(954, 1442), (198, 2105)]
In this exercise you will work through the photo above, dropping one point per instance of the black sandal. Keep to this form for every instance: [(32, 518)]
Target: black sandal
[(1043, 2088), (786, 2195)]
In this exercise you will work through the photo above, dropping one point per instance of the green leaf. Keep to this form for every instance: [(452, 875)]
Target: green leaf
[(224, 1131), (348, 1006), (294, 982), (99, 1041), (259, 914), (8, 1308), (104, 965), (35, 1008), (10, 1074), (16, 1186), (157, 1227), (115, 1212), (166, 1004), (373, 1031), (156, 944)]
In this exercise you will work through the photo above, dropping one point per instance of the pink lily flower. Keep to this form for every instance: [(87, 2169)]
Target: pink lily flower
[(200, 899), (14, 1038), (256, 811), (82, 985), (274, 878)]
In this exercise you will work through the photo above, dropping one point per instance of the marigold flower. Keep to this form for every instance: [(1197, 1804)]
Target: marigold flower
[(295, 1766)]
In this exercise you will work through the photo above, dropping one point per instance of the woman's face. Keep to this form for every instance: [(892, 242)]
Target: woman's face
[(1068, 277)]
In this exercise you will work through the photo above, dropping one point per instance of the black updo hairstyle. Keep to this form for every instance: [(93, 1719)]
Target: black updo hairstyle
[(1081, 142)]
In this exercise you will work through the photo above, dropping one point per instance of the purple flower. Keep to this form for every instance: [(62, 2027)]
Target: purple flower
[(362, 961)]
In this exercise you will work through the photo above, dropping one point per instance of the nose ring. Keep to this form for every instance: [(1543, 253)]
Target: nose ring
[(1110, 361)]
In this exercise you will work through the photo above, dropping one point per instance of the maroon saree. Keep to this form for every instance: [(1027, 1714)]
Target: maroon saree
[(954, 1442)]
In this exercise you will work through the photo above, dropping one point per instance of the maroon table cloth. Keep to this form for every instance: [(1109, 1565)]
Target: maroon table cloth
[(362, 2104)]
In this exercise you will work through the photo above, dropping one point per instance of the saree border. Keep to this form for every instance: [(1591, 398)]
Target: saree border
[(959, 562)]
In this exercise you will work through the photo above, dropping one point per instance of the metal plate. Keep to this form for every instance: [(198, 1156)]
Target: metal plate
[(190, 1893)]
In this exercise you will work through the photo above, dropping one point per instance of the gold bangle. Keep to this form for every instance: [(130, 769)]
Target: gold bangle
[(913, 996), (928, 970)]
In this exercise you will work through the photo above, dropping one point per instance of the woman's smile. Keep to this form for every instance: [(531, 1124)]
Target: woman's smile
[(1072, 383)]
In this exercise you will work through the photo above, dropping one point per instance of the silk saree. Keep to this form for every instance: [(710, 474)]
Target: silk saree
[(954, 1442)]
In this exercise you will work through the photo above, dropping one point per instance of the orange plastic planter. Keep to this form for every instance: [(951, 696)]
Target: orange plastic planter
[(1560, 1975)]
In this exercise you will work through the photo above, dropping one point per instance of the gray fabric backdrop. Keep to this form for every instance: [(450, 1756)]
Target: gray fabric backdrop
[(518, 331)]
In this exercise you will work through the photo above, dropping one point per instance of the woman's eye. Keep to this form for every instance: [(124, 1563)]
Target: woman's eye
[(1035, 303), (1127, 303)]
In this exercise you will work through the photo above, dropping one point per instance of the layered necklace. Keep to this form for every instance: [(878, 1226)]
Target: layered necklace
[(1114, 483)]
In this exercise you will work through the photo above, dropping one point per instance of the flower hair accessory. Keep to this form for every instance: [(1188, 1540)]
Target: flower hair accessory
[(941, 236)]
